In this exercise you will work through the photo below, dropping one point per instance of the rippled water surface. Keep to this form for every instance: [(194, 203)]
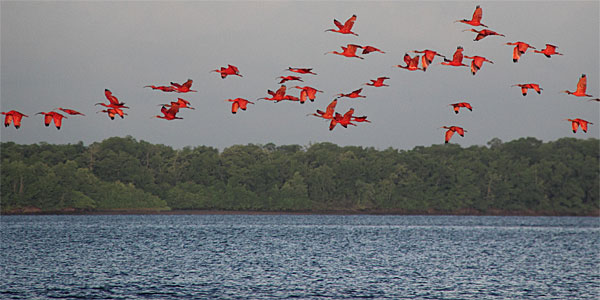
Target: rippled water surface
[(299, 257)]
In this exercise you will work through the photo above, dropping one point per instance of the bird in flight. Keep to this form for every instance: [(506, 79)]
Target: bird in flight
[(50, 116), (348, 51), (289, 78), (14, 117), (328, 113), (520, 49), (451, 130), (427, 58), (475, 19), (412, 64), (526, 86), (353, 94), (483, 33), (345, 28), (548, 51), (457, 58), (369, 49), (162, 88), (575, 123), (581, 87), (458, 105), (301, 70), (307, 92), (70, 111), (112, 112), (169, 113), (183, 88), (230, 70), (377, 82), (477, 62), (238, 103)]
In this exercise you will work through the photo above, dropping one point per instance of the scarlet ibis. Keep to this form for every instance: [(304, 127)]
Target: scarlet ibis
[(114, 101), (240, 103), (349, 51), (343, 120), (328, 113), (14, 117), (169, 113), (575, 123), (50, 116), (483, 33), (458, 105), (581, 87), (412, 64), (548, 51), (183, 88), (353, 94), (162, 88), (360, 119), (277, 95), (289, 78), (345, 28), (180, 103), (230, 70), (451, 130), (476, 19), (525, 86), (112, 112), (428, 56), (369, 49), (301, 70), (378, 82), (307, 92), (70, 111), (477, 62), (520, 49), (457, 58)]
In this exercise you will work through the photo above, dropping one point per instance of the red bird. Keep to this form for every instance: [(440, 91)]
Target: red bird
[(301, 70), (548, 51), (162, 88), (346, 28), (230, 70), (477, 62), (524, 87), (369, 49), (354, 94), (412, 64), (520, 49), (344, 120), (579, 122), (360, 119), (277, 95), (14, 117), (289, 78), (456, 58), (378, 82), (70, 111), (349, 51), (49, 116), (458, 105), (113, 101), (112, 112), (483, 33), (238, 103), (307, 92), (169, 113), (181, 103), (581, 87), (476, 19), (451, 130), (328, 113), (183, 88), (428, 56)]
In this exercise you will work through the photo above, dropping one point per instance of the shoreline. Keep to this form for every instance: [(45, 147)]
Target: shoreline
[(311, 212)]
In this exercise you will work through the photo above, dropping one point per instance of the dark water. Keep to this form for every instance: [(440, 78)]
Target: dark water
[(299, 257)]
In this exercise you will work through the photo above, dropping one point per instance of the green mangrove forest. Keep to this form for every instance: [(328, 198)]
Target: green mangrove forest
[(524, 176)]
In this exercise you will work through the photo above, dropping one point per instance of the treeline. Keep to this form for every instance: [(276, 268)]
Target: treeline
[(521, 176)]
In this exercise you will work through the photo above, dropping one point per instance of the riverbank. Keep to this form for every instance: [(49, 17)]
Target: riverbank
[(34, 211)]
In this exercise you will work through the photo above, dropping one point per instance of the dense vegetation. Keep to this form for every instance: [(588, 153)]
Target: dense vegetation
[(521, 176)]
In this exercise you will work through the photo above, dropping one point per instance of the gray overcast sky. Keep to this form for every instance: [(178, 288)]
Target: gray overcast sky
[(66, 53)]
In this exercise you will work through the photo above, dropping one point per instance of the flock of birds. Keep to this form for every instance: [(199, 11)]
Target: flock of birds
[(425, 57)]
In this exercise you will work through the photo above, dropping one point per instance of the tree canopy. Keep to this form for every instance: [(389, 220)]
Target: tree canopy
[(521, 176)]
